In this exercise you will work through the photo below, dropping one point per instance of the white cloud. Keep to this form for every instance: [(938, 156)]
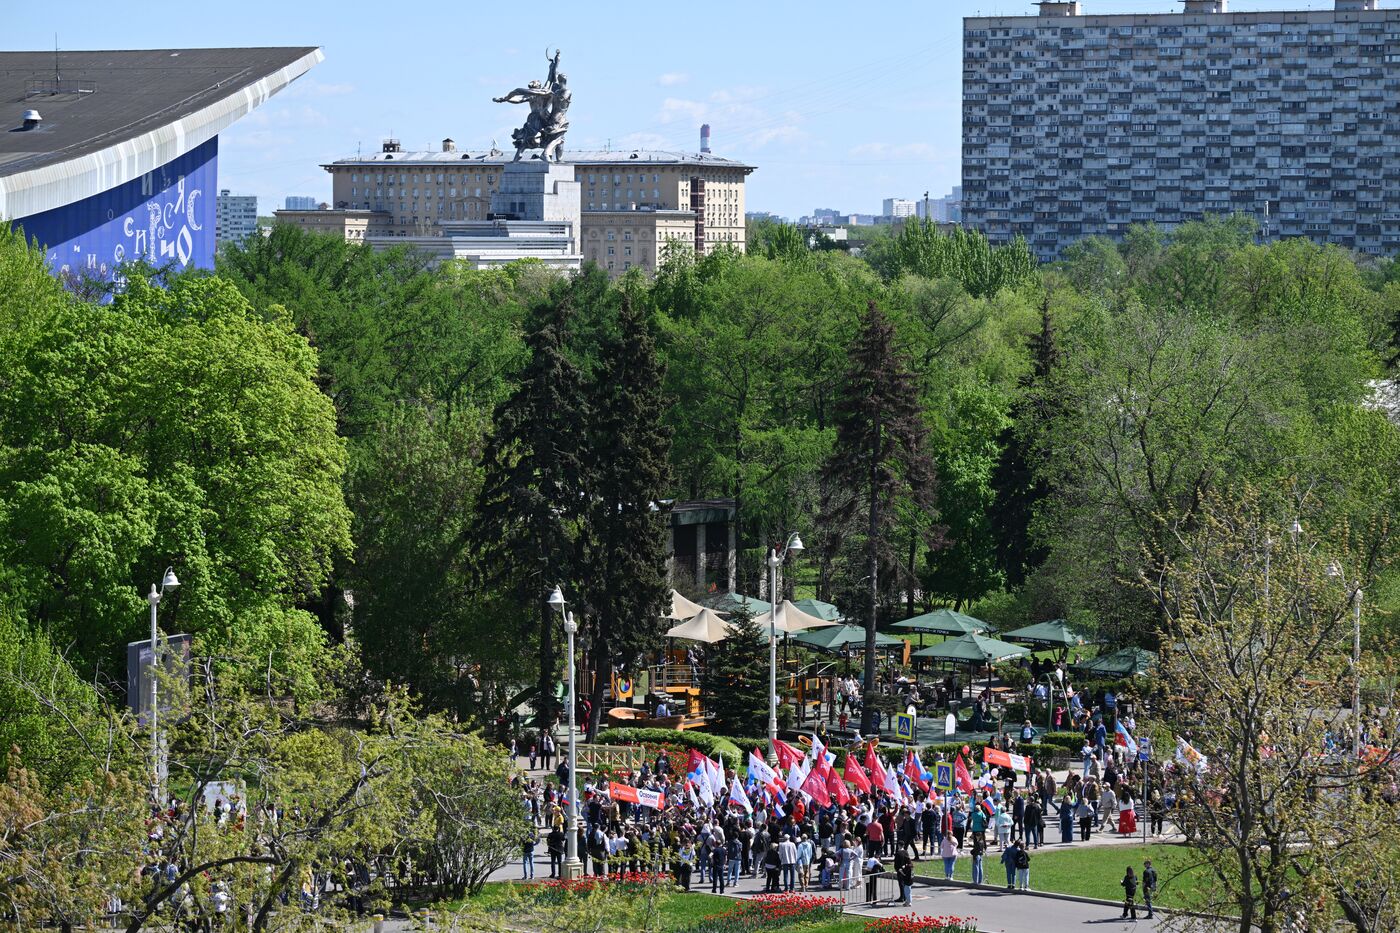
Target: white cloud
[(672, 78)]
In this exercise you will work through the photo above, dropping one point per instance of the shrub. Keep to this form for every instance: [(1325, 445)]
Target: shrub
[(1015, 714), (1071, 740), (747, 745), (714, 746)]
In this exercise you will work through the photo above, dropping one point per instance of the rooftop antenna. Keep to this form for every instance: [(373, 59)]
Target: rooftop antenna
[(57, 78)]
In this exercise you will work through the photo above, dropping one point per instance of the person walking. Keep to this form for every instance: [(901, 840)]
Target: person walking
[(904, 874), (1149, 885), (527, 853), (948, 849), (787, 860), (1023, 868), (1066, 818), (554, 844), (1009, 859), (1130, 886), (1085, 812), (978, 851), (684, 862), (1157, 813), (719, 864), (1035, 823), (806, 854)]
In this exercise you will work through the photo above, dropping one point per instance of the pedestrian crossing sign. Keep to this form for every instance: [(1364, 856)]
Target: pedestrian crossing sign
[(904, 727), (943, 776)]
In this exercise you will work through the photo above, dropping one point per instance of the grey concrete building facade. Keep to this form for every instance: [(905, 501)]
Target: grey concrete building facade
[(1076, 125)]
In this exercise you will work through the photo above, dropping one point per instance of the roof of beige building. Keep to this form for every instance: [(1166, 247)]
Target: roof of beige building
[(571, 156)]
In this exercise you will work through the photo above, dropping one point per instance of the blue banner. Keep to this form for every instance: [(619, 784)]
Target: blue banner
[(165, 216)]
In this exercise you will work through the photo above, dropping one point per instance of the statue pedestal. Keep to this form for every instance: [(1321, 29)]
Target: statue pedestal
[(536, 213), (537, 191)]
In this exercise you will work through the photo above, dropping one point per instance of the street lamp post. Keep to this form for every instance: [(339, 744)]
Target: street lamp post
[(169, 581), (775, 559), (573, 868)]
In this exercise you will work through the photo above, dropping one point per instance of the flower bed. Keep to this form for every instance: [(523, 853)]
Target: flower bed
[(914, 924), (556, 891), (771, 912)]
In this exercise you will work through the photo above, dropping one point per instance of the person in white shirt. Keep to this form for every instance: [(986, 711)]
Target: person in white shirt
[(787, 861)]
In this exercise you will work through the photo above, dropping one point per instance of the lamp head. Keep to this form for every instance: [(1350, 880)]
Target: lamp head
[(795, 543), (170, 582), (1296, 528), (556, 599)]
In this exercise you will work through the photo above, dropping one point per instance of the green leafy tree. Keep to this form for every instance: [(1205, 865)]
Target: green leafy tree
[(629, 475), (963, 255), (881, 456), (176, 426), (418, 618)]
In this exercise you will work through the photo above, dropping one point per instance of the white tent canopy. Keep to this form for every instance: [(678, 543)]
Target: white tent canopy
[(791, 619), (706, 625), (682, 608)]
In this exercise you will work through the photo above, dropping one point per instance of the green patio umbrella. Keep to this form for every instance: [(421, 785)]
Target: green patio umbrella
[(944, 621), (1121, 663), (1053, 634), (815, 607), (733, 602), (973, 647), (836, 637)]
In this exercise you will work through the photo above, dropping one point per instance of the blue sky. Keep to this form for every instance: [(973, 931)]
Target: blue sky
[(838, 104)]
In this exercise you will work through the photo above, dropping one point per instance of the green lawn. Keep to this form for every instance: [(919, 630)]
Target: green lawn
[(1089, 871), (678, 911)]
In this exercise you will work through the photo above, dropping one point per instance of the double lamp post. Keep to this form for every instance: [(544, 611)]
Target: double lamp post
[(573, 868)]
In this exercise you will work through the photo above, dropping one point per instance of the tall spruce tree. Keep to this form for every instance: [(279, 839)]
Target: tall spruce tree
[(1019, 490), (736, 678), (629, 474), (533, 491), (880, 456)]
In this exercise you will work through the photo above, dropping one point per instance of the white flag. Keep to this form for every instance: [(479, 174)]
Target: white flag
[(737, 795), (797, 774), (716, 776), (759, 768)]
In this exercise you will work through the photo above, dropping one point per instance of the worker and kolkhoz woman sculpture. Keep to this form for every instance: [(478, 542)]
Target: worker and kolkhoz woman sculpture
[(548, 121)]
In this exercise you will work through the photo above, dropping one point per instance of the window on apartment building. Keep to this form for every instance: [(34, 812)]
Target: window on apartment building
[(490, 179), (612, 250), (627, 251), (612, 235)]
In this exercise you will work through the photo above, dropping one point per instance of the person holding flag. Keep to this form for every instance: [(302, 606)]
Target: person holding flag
[(1123, 739)]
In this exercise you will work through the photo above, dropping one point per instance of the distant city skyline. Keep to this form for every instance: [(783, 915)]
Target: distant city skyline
[(877, 117)]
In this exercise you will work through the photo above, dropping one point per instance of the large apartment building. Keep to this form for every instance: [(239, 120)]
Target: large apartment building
[(1076, 124), (634, 202)]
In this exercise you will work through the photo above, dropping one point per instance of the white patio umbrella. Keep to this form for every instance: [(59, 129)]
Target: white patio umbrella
[(791, 619), (682, 608), (706, 625)]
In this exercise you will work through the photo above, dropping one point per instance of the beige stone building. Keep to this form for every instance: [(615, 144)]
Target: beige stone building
[(354, 225), (633, 201)]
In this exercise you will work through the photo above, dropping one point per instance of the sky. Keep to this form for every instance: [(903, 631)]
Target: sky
[(838, 104)]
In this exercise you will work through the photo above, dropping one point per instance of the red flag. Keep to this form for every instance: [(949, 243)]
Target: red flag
[(960, 774), (787, 755), (855, 775), (815, 787), (876, 770), (696, 762), (837, 787), (912, 772)]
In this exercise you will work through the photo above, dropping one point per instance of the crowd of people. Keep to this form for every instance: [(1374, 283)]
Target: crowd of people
[(765, 822)]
